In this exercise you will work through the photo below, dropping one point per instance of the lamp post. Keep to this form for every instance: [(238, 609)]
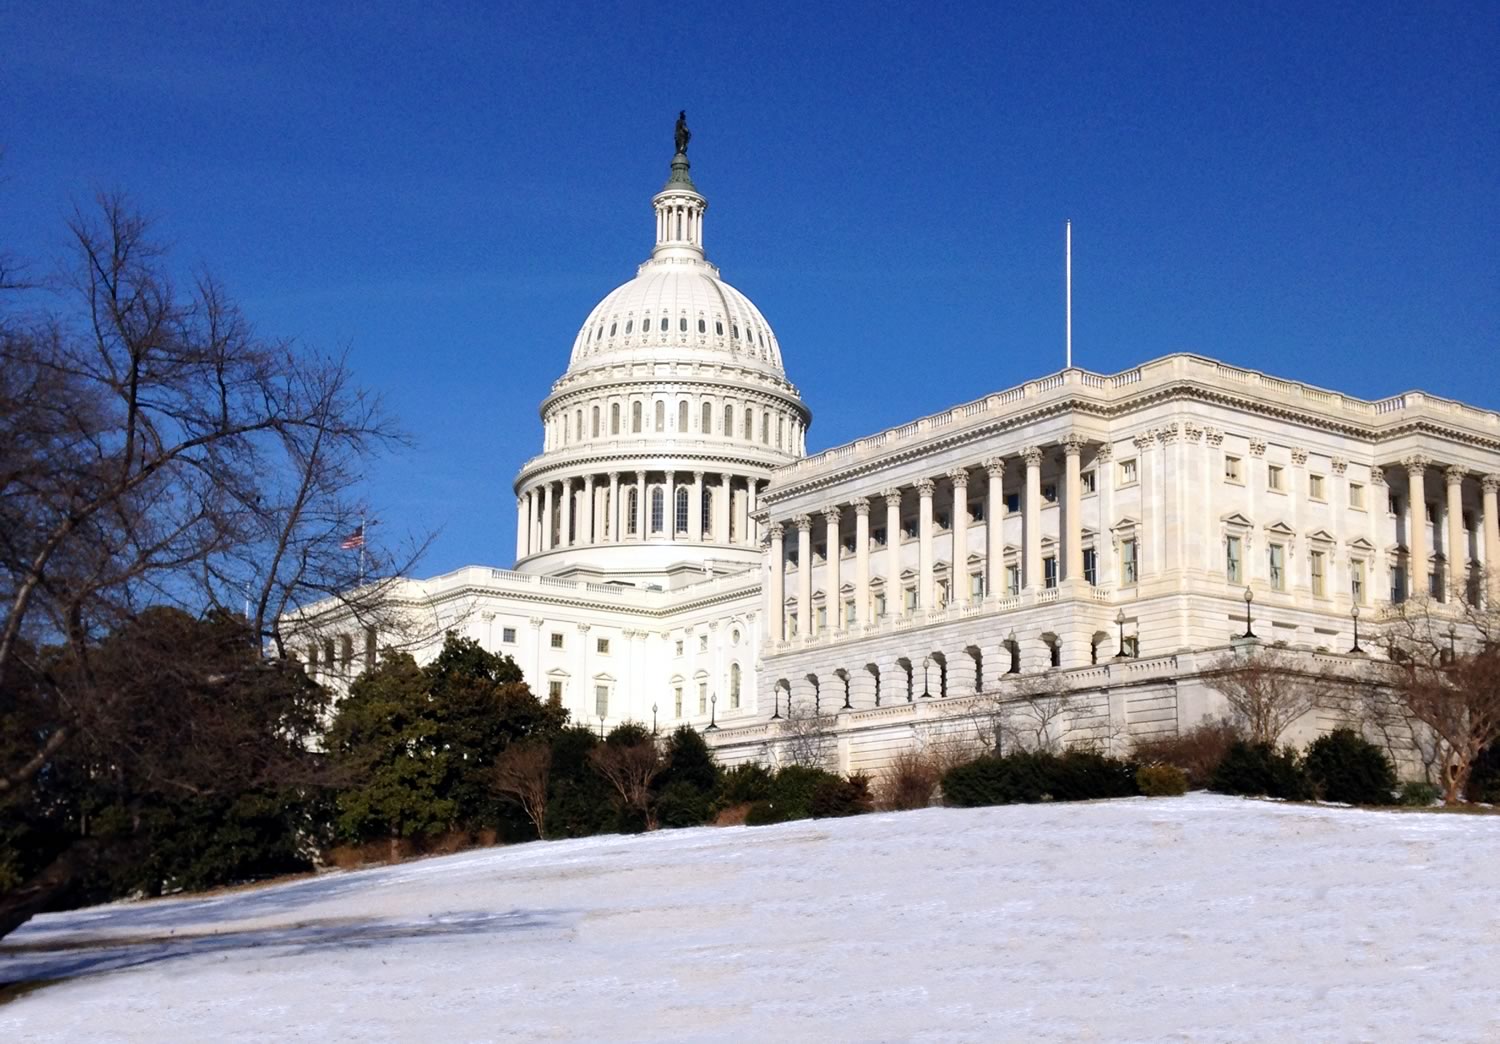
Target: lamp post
[(1015, 651), (1354, 615), (1452, 635), (713, 713), (777, 708), (601, 726), (926, 661), (1249, 598), (653, 719), (1120, 623)]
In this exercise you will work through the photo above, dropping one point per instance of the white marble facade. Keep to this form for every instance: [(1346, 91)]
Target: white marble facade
[(679, 559)]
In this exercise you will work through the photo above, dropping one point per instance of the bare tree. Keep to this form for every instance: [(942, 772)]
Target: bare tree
[(1267, 690), (631, 768), (1035, 710), (155, 450), (1444, 673), (807, 737), (521, 774)]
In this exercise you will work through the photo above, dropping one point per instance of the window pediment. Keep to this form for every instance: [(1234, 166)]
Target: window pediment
[(1361, 546), (1322, 536), (1235, 520)]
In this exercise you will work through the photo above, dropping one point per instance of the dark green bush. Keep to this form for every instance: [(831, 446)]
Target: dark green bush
[(842, 797), (1484, 780), (744, 784), (1260, 769), (680, 804), (1038, 776), (790, 796), (1346, 767), (1161, 780), (1420, 795)]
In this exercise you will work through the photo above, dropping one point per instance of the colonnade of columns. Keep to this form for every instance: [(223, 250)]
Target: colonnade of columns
[(888, 554), (590, 510), (1455, 540)]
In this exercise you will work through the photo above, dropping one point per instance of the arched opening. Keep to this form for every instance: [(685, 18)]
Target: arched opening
[(594, 421), (781, 697), (682, 416), (940, 675), (1097, 642), (977, 658), (705, 514), (749, 432), (635, 417), (874, 672), (843, 676), (734, 686), (1013, 649), (905, 665), (680, 510), (656, 510), (614, 418), (661, 415), (728, 421), (817, 693), (1054, 649), (633, 512)]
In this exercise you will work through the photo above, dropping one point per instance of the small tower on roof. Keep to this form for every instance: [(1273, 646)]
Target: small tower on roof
[(679, 206)]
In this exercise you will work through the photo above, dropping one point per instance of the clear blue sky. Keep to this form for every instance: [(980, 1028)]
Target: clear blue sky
[(1307, 189)]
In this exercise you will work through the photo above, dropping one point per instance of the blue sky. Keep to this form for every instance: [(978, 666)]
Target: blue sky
[(1307, 189)]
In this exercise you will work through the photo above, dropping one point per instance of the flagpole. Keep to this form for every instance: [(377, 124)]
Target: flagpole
[(1068, 278), (362, 539)]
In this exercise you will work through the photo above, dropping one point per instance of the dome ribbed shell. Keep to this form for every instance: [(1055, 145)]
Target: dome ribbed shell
[(676, 309)]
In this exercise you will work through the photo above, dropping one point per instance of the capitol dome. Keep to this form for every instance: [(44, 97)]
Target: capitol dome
[(672, 413)]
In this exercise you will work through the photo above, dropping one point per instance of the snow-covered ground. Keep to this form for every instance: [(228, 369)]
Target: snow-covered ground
[(1202, 918)]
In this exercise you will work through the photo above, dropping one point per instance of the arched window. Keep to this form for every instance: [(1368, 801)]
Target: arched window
[(562, 426), (594, 421), (765, 428), (780, 430), (682, 324), (656, 519), (635, 417), (708, 418), (663, 324), (612, 328), (728, 420), (706, 512), (734, 686), (634, 502), (600, 335), (681, 511), (614, 418), (661, 415), (719, 327), (682, 415), (578, 424), (749, 432), (736, 328), (702, 326), (628, 324)]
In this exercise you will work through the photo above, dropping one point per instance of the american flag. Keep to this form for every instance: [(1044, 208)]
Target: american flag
[(355, 540)]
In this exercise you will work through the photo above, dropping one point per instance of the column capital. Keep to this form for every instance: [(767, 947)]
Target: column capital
[(1032, 455), (1257, 447), (698, 477), (1105, 452), (774, 530), (995, 467), (831, 514), (892, 498), (1339, 465), (1455, 474), (583, 628), (925, 486), (614, 476), (803, 523), (959, 477), (1490, 483), (1377, 475), (1168, 433), (536, 621), (861, 505), (1215, 436), (1144, 440), (1415, 463), (1073, 444), (1192, 432), (1299, 456)]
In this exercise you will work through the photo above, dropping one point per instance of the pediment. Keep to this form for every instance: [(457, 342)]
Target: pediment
[(1322, 536), (1280, 529), (1361, 545), (1234, 518), (1126, 522), (975, 559)]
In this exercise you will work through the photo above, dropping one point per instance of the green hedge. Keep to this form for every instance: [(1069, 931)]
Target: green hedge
[(1038, 776)]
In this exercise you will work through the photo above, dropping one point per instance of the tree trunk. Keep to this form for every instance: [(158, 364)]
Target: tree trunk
[(56, 887)]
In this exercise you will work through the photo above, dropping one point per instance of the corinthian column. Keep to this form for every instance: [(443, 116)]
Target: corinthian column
[(893, 601), (547, 519), (1491, 486), (776, 587), (590, 512), (833, 588), (669, 506), (695, 508), (804, 574), (925, 599), (960, 567), (614, 519), (862, 561), (1073, 508), (565, 524), (1458, 546), (1416, 530), (640, 505), (1031, 535), (994, 526)]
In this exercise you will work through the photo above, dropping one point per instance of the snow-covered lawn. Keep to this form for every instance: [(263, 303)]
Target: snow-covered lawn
[(1203, 917)]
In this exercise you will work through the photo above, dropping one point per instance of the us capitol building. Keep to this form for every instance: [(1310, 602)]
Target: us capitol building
[(681, 560)]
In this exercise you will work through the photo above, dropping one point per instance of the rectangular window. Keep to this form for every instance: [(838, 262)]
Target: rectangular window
[(879, 605), (1435, 584), (1356, 496), (677, 702), (1232, 470), (703, 697), (791, 625), (554, 692), (849, 613), (976, 585), (1091, 566), (1130, 564), (1089, 482), (601, 700), (703, 643), (678, 647), (909, 597), (1357, 580), (557, 640), (601, 646), (508, 635), (1398, 583), (1049, 493), (1129, 474), (1232, 571), (1049, 571), (1315, 487), (1131, 646), (1315, 569), (821, 619), (1012, 580), (1393, 504), (1012, 503), (1276, 558), (1274, 477)]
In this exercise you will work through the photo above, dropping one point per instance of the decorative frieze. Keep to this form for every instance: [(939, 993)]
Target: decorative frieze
[(1257, 447), (1339, 465), (1299, 456)]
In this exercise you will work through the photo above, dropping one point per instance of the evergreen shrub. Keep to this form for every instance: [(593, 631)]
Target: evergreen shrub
[(680, 804), (1346, 767), (842, 797), (1259, 769), (1161, 780), (744, 784), (1420, 795), (1031, 776), (1484, 779), (790, 796)]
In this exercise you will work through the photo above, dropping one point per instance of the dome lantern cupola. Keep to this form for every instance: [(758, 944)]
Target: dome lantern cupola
[(679, 206)]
